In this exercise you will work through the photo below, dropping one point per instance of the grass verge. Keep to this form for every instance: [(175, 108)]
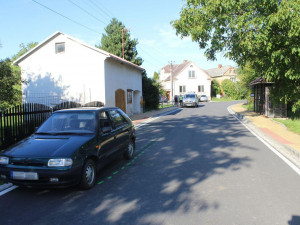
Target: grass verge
[(292, 125), (224, 99), (166, 105), (246, 106)]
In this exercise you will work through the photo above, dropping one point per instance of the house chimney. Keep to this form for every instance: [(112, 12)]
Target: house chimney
[(220, 66), (185, 61)]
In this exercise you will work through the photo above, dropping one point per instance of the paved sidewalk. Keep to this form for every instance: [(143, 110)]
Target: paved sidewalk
[(283, 140)]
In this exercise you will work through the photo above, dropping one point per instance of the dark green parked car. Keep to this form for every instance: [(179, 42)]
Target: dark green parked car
[(69, 148)]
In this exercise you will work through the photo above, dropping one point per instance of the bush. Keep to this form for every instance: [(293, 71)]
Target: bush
[(150, 93), (215, 88), (234, 90)]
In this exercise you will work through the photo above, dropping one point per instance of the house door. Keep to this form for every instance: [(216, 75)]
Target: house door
[(120, 99)]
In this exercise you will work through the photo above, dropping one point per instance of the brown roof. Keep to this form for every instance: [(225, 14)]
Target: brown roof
[(260, 80), (217, 72), (177, 68)]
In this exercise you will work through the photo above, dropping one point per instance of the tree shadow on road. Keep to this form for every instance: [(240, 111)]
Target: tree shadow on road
[(169, 181)]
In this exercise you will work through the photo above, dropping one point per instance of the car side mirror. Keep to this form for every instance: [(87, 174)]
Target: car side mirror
[(106, 130)]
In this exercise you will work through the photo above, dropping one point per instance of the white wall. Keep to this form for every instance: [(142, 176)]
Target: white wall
[(163, 75), (77, 74), (120, 76)]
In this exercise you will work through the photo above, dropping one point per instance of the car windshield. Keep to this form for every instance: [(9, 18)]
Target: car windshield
[(65, 123), (203, 95), (189, 96)]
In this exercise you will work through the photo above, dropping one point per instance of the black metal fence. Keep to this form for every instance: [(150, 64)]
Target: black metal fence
[(20, 121)]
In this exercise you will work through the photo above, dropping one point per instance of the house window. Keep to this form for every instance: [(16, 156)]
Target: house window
[(59, 47), (182, 89), (192, 74), (129, 96), (200, 88), (233, 79)]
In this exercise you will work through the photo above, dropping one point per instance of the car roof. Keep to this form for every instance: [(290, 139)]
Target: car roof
[(85, 109), (191, 94)]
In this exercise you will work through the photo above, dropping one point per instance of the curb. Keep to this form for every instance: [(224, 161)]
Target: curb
[(287, 151)]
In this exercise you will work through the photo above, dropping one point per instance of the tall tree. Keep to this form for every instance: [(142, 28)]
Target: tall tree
[(265, 33), (158, 84), (10, 79), (112, 42), (24, 49), (10, 85)]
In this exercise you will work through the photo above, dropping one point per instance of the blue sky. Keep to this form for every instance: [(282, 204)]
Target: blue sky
[(24, 21)]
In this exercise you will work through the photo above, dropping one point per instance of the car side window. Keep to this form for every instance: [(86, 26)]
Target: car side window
[(117, 118), (104, 120)]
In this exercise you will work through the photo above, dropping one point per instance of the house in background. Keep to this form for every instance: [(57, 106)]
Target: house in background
[(64, 66), (223, 72), (187, 77)]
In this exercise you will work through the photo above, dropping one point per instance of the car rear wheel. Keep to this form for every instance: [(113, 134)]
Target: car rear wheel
[(130, 150), (88, 176)]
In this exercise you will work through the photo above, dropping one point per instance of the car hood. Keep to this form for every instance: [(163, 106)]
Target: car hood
[(39, 146)]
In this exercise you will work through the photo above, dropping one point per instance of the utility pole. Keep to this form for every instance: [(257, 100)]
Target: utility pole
[(172, 91), (123, 30)]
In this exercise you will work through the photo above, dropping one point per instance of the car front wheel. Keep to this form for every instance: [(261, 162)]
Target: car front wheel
[(130, 150), (88, 176)]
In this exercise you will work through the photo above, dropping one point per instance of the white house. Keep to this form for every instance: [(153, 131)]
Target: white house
[(64, 66), (187, 77)]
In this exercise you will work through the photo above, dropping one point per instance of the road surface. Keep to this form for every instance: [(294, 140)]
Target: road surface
[(195, 166)]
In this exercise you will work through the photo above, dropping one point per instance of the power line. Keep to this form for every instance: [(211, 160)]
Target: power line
[(110, 16), (89, 27), (101, 5), (65, 17), (87, 12), (100, 9), (91, 6)]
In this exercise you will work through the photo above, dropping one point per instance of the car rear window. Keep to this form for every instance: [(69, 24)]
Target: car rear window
[(190, 96)]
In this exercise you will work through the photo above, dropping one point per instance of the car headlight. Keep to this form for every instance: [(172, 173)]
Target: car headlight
[(60, 162), (4, 160)]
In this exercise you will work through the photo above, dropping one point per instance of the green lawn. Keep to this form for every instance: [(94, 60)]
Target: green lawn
[(292, 125), (166, 105), (223, 99), (246, 106)]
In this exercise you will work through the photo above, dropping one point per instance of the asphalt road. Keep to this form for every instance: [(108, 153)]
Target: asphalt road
[(196, 166)]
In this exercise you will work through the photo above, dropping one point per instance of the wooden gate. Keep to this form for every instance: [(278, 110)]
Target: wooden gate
[(120, 99)]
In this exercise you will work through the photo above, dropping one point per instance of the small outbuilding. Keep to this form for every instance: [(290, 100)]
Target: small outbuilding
[(263, 103), (75, 71)]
